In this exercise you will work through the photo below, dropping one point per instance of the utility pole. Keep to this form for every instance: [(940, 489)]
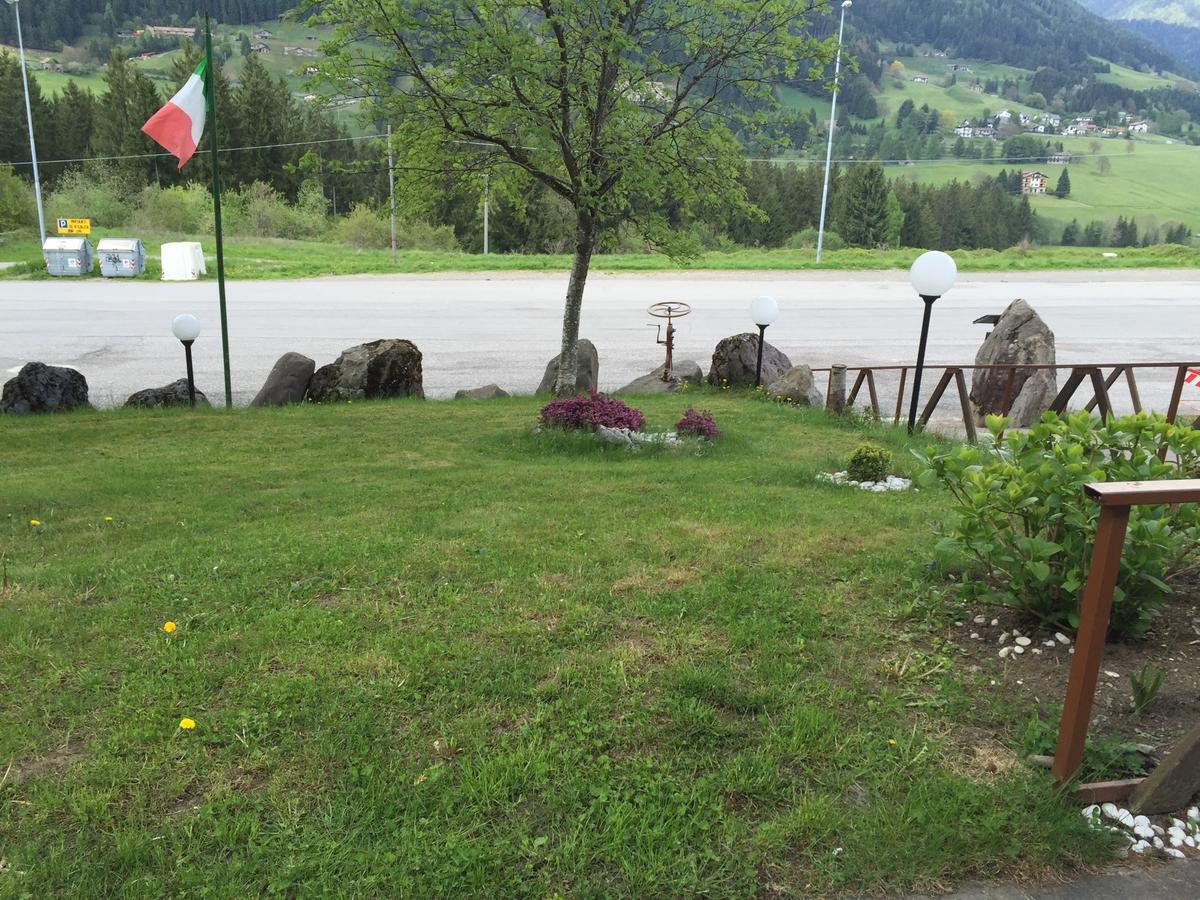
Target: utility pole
[(485, 213), (37, 179), (837, 69), (392, 189)]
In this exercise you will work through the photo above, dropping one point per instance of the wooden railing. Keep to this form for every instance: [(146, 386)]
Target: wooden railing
[(1178, 775)]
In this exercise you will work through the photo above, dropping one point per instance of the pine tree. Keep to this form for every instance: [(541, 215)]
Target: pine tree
[(1070, 235), (1063, 188), (861, 215)]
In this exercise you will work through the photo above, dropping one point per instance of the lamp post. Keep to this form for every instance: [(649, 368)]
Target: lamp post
[(187, 328), (931, 275), (763, 311), (37, 181), (837, 69)]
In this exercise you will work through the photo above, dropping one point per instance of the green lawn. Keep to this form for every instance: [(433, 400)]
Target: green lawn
[(256, 259), (427, 653)]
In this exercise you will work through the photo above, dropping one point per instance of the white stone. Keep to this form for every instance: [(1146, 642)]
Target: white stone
[(979, 620), (1176, 841), (1090, 812), (1141, 820), (995, 622), (974, 635), (1061, 638), (1018, 649), (1178, 823), (1143, 831), (1004, 637), (1194, 813), (1111, 674), (1158, 844), (1140, 847), (1110, 809), (1158, 829), (1004, 651), (1049, 644), (1177, 854), (1024, 641), (1125, 818), (1189, 840)]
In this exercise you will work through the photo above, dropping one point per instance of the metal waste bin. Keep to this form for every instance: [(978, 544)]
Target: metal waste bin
[(67, 256), (121, 257)]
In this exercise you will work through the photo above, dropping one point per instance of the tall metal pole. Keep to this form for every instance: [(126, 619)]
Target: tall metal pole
[(916, 388), (191, 373), (762, 337), (216, 192), (837, 69), (37, 180), (392, 190), (486, 185)]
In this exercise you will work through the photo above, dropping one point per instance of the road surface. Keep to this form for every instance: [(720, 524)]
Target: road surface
[(478, 328)]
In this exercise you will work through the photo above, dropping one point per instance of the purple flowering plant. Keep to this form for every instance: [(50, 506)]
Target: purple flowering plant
[(587, 412), (698, 424)]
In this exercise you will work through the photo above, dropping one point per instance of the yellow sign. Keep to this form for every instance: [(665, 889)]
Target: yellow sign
[(75, 226)]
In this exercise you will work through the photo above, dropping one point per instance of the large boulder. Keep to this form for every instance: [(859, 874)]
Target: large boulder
[(1019, 337), (287, 381), (42, 388), (797, 387), (734, 360), (587, 370), (682, 372), (487, 392), (386, 368), (173, 394)]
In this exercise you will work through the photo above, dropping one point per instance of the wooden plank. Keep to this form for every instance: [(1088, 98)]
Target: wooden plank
[(1094, 608), (936, 398), (1100, 393), (900, 396), (965, 402), (1108, 383), (1134, 396), (1174, 782), (1106, 791), (871, 390), (1138, 493), (858, 383), (1059, 406)]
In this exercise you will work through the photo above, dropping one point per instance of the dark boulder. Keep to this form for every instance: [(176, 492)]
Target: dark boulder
[(1019, 337), (173, 394), (587, 370), (287, 381), (380, 369), (683, 372), (487, 392), (42, 388), (797, 387), (735, 358)]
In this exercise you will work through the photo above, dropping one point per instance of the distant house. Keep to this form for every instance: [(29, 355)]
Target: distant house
[(311, 70), (1024, 118), (1061, 159), (959, 67), (169, 31), (259, 48), (1033, 183), (1113, 131), (263, 35), (986, 131), (1003, 117), (975, 87), (921, 79), (1051, 119), (964, 130), (1141, 127)]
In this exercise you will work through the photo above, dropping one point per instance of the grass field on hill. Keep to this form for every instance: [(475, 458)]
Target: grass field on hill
[(426, 653)]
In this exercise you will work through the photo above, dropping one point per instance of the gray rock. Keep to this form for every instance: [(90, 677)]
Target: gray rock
[(687, 370), (587, 370), (734, 359), (487, 392), (42, 388), (797, 387), (287, 381), (380, 369), (173, 394), (1019, 337)]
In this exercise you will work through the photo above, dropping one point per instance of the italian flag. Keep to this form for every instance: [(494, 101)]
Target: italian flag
[(179, 125)]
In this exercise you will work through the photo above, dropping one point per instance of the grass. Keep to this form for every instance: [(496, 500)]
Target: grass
[(256, 259), (427, 653)]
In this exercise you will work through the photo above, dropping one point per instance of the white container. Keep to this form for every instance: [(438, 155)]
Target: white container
[(182, 261)]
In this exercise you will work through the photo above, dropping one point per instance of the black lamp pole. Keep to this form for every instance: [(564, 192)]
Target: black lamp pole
[(187, 352), (916, 388), (762, 334)]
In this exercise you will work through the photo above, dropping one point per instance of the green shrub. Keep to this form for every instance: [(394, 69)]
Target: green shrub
[(102, 195), (17, 209), (806, 239), (869, 463), (181, 210), (1025, 529), (370, 229)]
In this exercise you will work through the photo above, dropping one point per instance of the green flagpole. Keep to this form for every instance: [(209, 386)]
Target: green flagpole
[(211, 98)]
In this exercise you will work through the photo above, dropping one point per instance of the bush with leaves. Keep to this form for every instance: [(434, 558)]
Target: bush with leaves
[(698, 424), (590, 411), (17, 209), (870, 463), (1026, 528)]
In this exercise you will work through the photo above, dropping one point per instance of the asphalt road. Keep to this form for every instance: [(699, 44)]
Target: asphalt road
[(479, 328)]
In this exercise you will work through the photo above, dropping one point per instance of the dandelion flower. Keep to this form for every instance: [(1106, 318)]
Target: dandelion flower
[(108, 518), (891, 741), (34, 523), (187, 724), (169, 627)]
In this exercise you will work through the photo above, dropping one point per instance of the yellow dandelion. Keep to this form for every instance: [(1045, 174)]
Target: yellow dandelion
[(187, 724), (420, 779), (169, 627), (34, 523), (108, 518), (891, 741)]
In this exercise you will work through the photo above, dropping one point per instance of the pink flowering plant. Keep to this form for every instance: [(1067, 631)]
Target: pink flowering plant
[(698, 424), (588, 412)]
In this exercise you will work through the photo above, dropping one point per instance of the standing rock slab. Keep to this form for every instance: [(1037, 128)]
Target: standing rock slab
[(173, 394), (587, 370), (487, 392), (287, 381), (1019, 337), (797, 387), (42, 388), (682, 372), (380, 369), (734, 359)]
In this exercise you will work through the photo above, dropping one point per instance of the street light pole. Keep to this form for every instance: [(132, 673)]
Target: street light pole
[(486, 192), (37, 181), (916, 388), (763, 311), (837, 69), (186, 329), (931, 275)]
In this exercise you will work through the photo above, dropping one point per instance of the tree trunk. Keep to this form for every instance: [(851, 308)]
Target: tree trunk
[(585, 244)]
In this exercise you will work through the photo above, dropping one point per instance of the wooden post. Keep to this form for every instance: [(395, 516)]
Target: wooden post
[(835, 401), (1134, 397), (1094, 609), (964, 401), (936, 397), (1174, 781), (900, 396)]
